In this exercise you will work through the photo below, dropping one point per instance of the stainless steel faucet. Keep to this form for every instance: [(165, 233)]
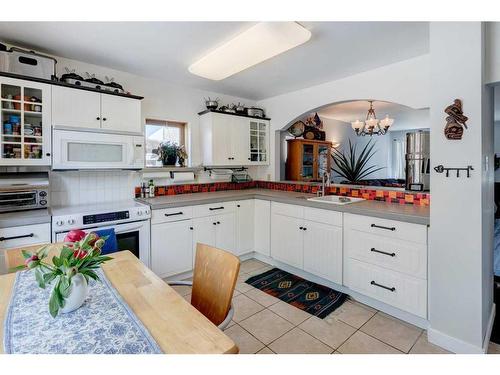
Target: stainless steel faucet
[(325, 181)]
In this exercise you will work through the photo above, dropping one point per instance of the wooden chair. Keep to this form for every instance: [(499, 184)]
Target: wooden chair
[(214, 278)]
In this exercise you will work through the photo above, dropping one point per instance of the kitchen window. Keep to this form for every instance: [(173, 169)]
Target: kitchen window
[(157, 131)]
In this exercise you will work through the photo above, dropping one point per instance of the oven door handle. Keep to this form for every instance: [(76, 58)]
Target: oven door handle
[(128, 229)]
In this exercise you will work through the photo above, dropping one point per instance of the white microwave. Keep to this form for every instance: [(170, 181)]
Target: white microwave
[(96, 149)]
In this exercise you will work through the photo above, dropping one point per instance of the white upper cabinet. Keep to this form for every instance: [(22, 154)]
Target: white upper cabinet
[(93, 110), (25, 113), (120, 113), (229, 140), (76, 108)]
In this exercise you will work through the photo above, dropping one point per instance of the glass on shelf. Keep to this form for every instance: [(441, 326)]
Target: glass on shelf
[(11, 151), (32, 151), (263, 157), (10, 92), (254, 157), (11, 138), (262, 126)]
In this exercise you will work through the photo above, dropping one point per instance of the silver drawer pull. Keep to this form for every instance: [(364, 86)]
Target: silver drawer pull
[(175, 214), (382, 227), (16, 237), (383, 286), (382, 252)]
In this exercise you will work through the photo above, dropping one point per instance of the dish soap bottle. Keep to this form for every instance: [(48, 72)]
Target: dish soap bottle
[(151, 189)]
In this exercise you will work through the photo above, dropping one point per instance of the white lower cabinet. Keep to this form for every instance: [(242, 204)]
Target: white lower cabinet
[(287, 240), (323, 251), (245, 226), (382, 259), (394, 288), (387, 260), (262, 227), (25, 235), (203, 232), (171, 248), (303, 243)]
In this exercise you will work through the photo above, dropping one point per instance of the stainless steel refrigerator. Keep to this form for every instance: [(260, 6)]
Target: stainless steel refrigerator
[(418, 160)]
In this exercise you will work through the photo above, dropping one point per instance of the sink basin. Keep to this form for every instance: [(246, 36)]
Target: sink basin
[(336, 199)]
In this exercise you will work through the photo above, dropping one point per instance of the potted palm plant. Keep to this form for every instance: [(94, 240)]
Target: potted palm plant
[(354, 167)]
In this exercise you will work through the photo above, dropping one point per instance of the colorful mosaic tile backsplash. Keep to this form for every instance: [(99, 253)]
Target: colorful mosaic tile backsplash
[(390, 196)]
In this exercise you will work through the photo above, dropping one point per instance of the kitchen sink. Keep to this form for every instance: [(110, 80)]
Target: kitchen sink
[(336, 199)]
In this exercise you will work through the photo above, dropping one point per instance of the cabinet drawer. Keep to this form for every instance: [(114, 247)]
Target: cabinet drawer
[(25, 235), (287, 210), (387, 228), (396, 289), (213, 209), (401, 256), (323, 216), (166, 215)]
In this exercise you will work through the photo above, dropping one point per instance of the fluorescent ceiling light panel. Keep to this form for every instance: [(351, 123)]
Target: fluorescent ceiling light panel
[(259, 43)]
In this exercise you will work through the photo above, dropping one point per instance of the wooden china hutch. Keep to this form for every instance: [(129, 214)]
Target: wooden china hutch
[(307, 160)]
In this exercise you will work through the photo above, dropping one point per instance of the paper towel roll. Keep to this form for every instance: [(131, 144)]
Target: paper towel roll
[(182, 176)]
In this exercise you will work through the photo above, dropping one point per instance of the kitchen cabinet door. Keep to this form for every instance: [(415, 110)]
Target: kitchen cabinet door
[(323, 250), (262, 227), (225, 232), (76, 108), (287, 240), (171, 248), (25, 115), (121, 114), (240, 140), (221, 148), (245, 226), (204, 231)]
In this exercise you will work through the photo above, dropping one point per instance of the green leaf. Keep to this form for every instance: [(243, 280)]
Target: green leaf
[(64, 286), (18, 268), (53, 304), (49, 277), (56, 261), (39, 278), (66, 253), (43, 252), (26, 255)]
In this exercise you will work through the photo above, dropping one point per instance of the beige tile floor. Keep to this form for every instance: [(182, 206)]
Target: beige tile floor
[(263, 324)]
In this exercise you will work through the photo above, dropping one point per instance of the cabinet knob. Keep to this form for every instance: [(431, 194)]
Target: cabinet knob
[(97, 118), (47, 154), (238, 205), (190, 228), (214, 223), (218, 222), (301, 228), (304, 228), (104, 119)]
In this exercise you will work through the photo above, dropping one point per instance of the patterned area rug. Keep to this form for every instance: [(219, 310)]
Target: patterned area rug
[(313, 298)]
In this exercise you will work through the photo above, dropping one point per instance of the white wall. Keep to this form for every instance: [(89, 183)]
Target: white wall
[(460, 235), (405, 82)]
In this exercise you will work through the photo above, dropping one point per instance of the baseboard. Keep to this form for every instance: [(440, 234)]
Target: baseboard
[(390, 310), (459, 346)]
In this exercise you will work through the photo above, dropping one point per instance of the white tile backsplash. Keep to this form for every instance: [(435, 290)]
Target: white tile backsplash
[(81, 187)]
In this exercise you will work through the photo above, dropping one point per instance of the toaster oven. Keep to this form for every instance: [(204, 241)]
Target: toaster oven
[(19, 192)]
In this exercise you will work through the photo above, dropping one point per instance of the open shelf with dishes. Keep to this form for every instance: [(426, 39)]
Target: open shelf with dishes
[(25, 122)]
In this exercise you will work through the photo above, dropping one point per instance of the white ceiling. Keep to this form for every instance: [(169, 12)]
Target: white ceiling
[(404, 117), (164, 50)]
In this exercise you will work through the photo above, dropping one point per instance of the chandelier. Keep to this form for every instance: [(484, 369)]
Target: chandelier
[(372, 126)]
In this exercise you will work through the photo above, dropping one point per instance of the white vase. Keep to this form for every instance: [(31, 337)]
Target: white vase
[(77, 294)]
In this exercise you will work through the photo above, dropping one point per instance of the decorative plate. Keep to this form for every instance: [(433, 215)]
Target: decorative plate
[(297, 129)]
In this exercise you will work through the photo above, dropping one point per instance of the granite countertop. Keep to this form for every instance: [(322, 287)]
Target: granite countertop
[(20, 218), (408, 213)]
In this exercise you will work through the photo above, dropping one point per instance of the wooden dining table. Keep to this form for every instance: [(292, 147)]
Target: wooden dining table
[(175, 324)]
